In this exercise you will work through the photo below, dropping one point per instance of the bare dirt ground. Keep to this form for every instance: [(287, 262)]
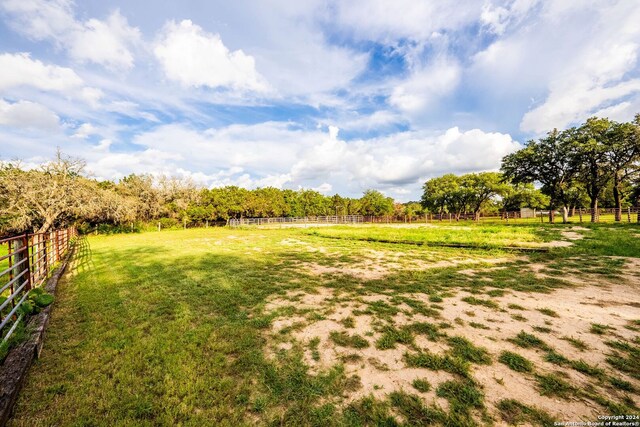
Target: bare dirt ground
[(557, 318)]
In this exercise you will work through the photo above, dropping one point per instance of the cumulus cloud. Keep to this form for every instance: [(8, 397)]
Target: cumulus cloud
[(498, 17), (20, 70), (392, 20), (107, 42), (84, 131), (571, 74), (193, 57), (27, 115), (275, 154), (426, 86)]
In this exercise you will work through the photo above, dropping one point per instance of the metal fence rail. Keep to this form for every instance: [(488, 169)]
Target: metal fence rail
[(628, 214), (25, 263), (332, 219)]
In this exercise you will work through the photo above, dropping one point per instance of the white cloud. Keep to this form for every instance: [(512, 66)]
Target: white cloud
[(84, 131), (20, 70), (323, 188), (106, 43), (194, 57), (426, 86), (277, 155), (391, 20), (572, 73), (497, 18), (27, 115)]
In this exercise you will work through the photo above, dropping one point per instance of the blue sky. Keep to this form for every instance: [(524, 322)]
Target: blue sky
[(332, 95)]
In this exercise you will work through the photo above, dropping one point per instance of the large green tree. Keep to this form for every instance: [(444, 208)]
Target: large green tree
[(375, 203), (548, 161), (623, 155)]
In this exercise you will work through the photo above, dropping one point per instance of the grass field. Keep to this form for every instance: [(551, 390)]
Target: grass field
[(343, 326)]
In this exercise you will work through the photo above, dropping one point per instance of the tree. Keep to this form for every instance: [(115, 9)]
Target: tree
[(413, 210), (375, 203), (438, 193), (480, 188), (148, 200), (622, 152), (313, 203), (591, 144), (53, 194), (548, 161), (515, 197)]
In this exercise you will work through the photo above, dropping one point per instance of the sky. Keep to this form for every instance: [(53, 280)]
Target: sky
[(336, 96)]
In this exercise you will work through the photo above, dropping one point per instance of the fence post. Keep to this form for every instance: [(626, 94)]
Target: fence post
[(21, 251), (45, 255), (56, 241), (580, 213)]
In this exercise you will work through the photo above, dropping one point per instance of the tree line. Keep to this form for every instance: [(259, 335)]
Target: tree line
[(598, 161), (59, 193), (590, 161)]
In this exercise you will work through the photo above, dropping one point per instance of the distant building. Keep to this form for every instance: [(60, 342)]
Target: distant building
[(527, 213)]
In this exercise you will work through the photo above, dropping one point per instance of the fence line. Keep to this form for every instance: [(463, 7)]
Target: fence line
[(26, 265), (330, 219), (629, 214)]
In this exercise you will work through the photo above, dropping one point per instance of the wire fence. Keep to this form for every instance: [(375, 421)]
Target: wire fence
[(25, 263), (330, 219), (629, 214)]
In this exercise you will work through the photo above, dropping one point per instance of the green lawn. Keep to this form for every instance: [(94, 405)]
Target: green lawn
[(465, 233), (206, 326)]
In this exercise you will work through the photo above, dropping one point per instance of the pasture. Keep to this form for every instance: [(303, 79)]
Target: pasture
[(446, 324)]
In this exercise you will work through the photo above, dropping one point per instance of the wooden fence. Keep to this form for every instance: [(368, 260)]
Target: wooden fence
[(25, 263)]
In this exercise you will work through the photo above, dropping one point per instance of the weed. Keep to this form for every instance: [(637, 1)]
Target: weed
[(621, 384), (421, 384), (514, 413), (463, 395), (464, 349), (556, 358), (576, 342), (526, 340), (478, 325), (348, 322), (548, 312), (519, 317), (350, 358), (495, 292), (585, 368), (412, 408), (313, 346), (599, 329), (515, 362), (435, 362), (480, 301), (431, 330), (391, 336), (345, 340), (553, 385)]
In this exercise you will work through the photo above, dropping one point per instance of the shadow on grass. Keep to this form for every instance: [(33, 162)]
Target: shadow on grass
[(147, 335)]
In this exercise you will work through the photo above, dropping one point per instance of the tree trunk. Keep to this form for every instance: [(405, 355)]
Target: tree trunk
[(616, 197), (552, 215), (48, 222), (565, 213), (573, 211), (594, 209)]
